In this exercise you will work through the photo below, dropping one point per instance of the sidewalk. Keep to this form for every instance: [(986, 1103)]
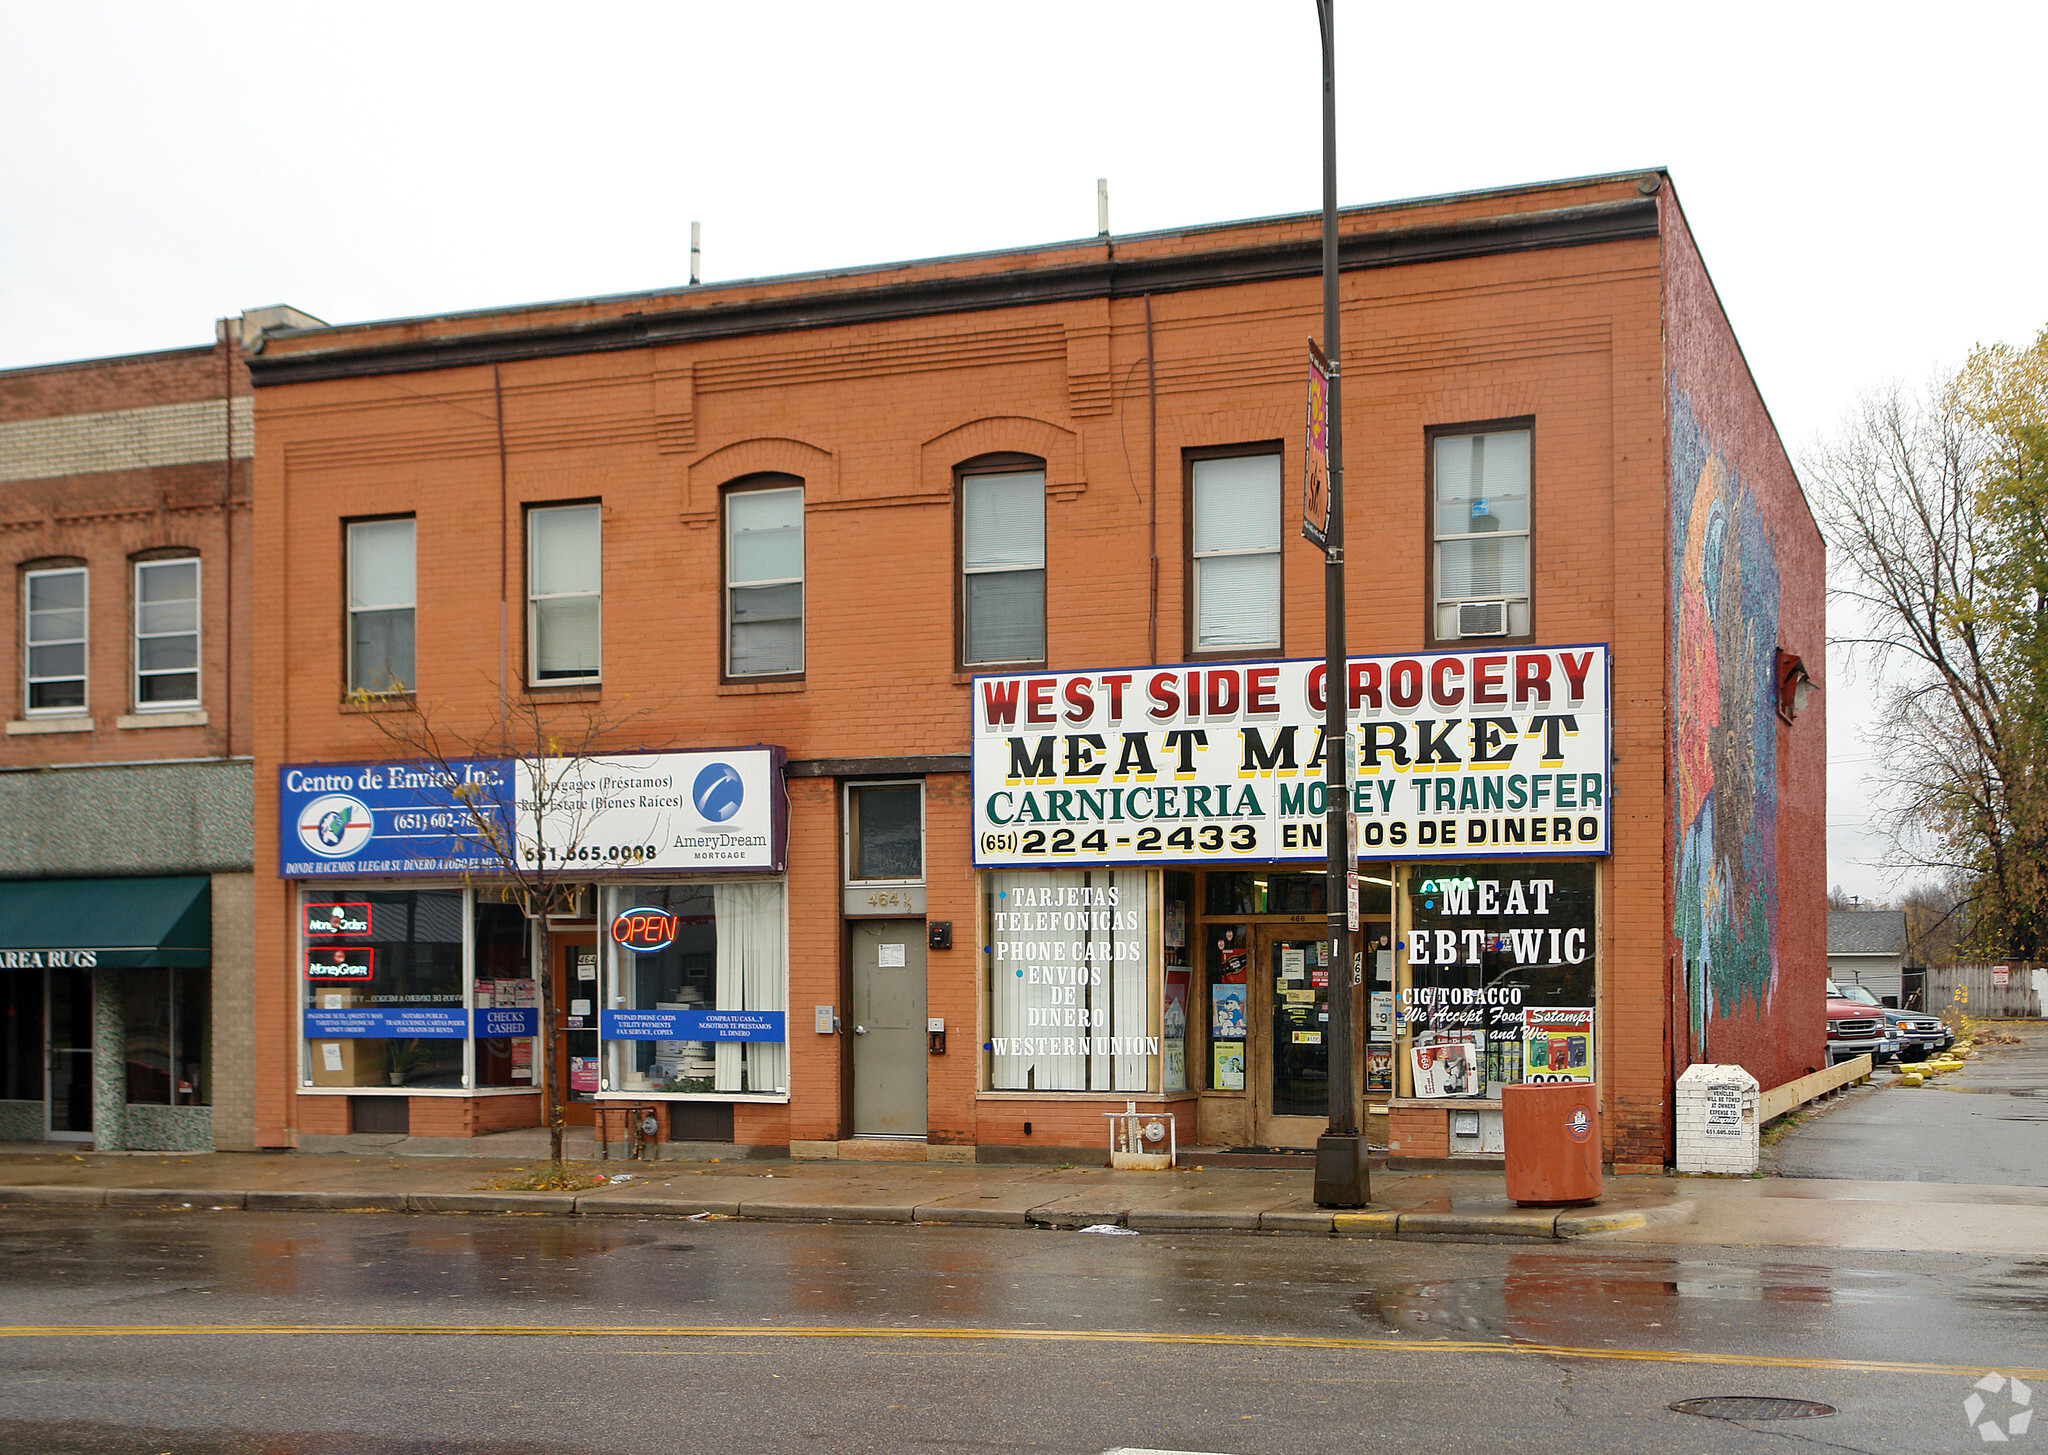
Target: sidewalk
[(1405, 1204), (1755, 1212)]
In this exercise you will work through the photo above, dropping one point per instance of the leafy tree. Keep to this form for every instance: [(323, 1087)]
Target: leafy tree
[(1936, 506)]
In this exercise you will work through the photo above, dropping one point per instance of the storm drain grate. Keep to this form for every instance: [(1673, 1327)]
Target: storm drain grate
[(1752, 1407)]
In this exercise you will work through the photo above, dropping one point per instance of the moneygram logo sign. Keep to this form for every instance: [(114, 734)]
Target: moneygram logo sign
[(718, 792), (1999, 1409), (335, 826)]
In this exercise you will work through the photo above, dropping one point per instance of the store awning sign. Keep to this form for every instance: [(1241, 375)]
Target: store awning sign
[(106, 924), (1501, 752)]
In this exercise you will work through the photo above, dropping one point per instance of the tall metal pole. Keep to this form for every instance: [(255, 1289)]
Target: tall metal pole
[(1341, 1176)]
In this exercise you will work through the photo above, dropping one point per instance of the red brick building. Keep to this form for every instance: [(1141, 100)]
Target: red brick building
[(124, 767), (998, 559)]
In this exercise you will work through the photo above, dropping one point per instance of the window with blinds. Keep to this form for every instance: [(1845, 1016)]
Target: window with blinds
[(1235, 570), (1480, 524), (565, 592), (380, 606), (54, 625), (764, 581), (166, 634), (1002, 568)]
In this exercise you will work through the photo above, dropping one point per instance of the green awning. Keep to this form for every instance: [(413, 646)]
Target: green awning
[(106, 924)]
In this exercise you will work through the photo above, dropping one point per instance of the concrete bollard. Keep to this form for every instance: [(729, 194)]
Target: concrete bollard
[(1717, 1125)]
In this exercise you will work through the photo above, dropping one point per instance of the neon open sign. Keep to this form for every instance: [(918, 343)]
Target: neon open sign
[(644, 930)]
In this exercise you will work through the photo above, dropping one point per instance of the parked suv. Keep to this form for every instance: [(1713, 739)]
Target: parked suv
[(1920, 1035), (1855, 1028)]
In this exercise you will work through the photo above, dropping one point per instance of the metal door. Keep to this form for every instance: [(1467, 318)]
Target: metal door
[(67, 1103), (888, 1028)]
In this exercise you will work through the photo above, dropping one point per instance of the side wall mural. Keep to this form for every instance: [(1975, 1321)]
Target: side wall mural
[(1724, 634)]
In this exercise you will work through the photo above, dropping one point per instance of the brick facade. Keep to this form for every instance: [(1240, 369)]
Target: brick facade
[(871, 387)]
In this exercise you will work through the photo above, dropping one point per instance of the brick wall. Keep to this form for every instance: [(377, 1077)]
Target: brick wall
[(873, 415)]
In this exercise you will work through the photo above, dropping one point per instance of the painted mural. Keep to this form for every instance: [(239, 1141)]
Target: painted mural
[(1724, 734)]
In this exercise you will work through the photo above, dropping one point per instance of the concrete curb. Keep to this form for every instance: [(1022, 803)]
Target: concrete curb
[(491, 1202), (1064, 1214), (174, 1197), (305, 1200), (55, 1196)]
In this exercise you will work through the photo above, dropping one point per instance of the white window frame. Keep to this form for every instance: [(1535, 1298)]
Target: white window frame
[(968, 573), (733, 583), (411, 603), (165, 704), (1196, 647), (1518, 604), (534, 598), (84, 640)]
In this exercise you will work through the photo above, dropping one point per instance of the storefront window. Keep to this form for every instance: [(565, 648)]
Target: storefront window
[(1500, 961), (505, 995), (165, 1016), (1265, 892), (1227, 954), (697, 990), (1067, 964), (383, 978)]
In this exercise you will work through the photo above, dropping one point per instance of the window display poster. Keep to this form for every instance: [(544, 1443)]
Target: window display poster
[(1379, 1068), (1382, 1015), (1173, 1028), (1448, 1064), (1226, 1013), (1557, 1043), (1176, 924), (1229, 1066)]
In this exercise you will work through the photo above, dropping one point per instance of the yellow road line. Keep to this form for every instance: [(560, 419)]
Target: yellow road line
[(1048, 1336)]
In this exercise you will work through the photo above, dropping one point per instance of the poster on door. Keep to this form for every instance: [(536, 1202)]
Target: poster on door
[(1226, 1012), (1557, 1043), (1448, 1064)]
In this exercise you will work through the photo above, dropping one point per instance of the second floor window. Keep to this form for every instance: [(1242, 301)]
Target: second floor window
[(1480, 521), (764, 579), (55, 646), (565, 600), (380, 606), (1235, 539), (166, 633), (1002, 567)]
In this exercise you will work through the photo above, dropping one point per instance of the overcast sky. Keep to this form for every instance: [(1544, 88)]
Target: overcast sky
[(1865, 183)]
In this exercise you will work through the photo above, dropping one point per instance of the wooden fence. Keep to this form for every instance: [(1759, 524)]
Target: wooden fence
[(1973, 990)]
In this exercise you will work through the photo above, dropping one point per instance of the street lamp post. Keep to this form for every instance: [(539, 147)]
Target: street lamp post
[(1341, 1176)]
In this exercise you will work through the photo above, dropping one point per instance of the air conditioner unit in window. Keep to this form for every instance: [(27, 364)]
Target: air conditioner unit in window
[(1482, 618)]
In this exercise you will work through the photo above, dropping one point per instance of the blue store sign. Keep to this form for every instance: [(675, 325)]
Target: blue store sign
[(392, 818), (691, 1025), (521, 1021), (395, 1023)]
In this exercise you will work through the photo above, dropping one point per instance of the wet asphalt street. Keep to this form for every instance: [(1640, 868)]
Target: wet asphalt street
[(671, 1336)]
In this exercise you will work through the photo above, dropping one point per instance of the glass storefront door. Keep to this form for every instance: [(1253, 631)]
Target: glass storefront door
[(68, 1098), (575, 1060), (1291, 986)]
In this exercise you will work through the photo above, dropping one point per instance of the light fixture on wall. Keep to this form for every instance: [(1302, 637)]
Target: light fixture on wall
[(1795, 685)]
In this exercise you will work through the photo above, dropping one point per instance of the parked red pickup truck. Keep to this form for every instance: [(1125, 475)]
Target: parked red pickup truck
[(1854, 1029)]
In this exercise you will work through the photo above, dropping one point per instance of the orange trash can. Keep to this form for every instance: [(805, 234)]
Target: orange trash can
[(1551, 1131)]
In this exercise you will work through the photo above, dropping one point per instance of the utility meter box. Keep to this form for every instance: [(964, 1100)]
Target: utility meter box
[(1552, 1136)]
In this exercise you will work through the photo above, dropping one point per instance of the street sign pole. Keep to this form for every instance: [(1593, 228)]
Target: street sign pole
[(1341, 1176)]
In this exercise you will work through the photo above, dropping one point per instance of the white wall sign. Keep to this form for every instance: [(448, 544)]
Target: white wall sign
[(1489, 753), (664, 811)]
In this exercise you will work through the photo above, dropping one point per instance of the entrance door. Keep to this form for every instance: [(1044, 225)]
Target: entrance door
[(574, 1062), (68, 1095), (888, 1028), (1289, 997)]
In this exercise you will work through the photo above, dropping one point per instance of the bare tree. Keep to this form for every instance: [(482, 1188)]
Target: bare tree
[(529, 830), (1900, 492)]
